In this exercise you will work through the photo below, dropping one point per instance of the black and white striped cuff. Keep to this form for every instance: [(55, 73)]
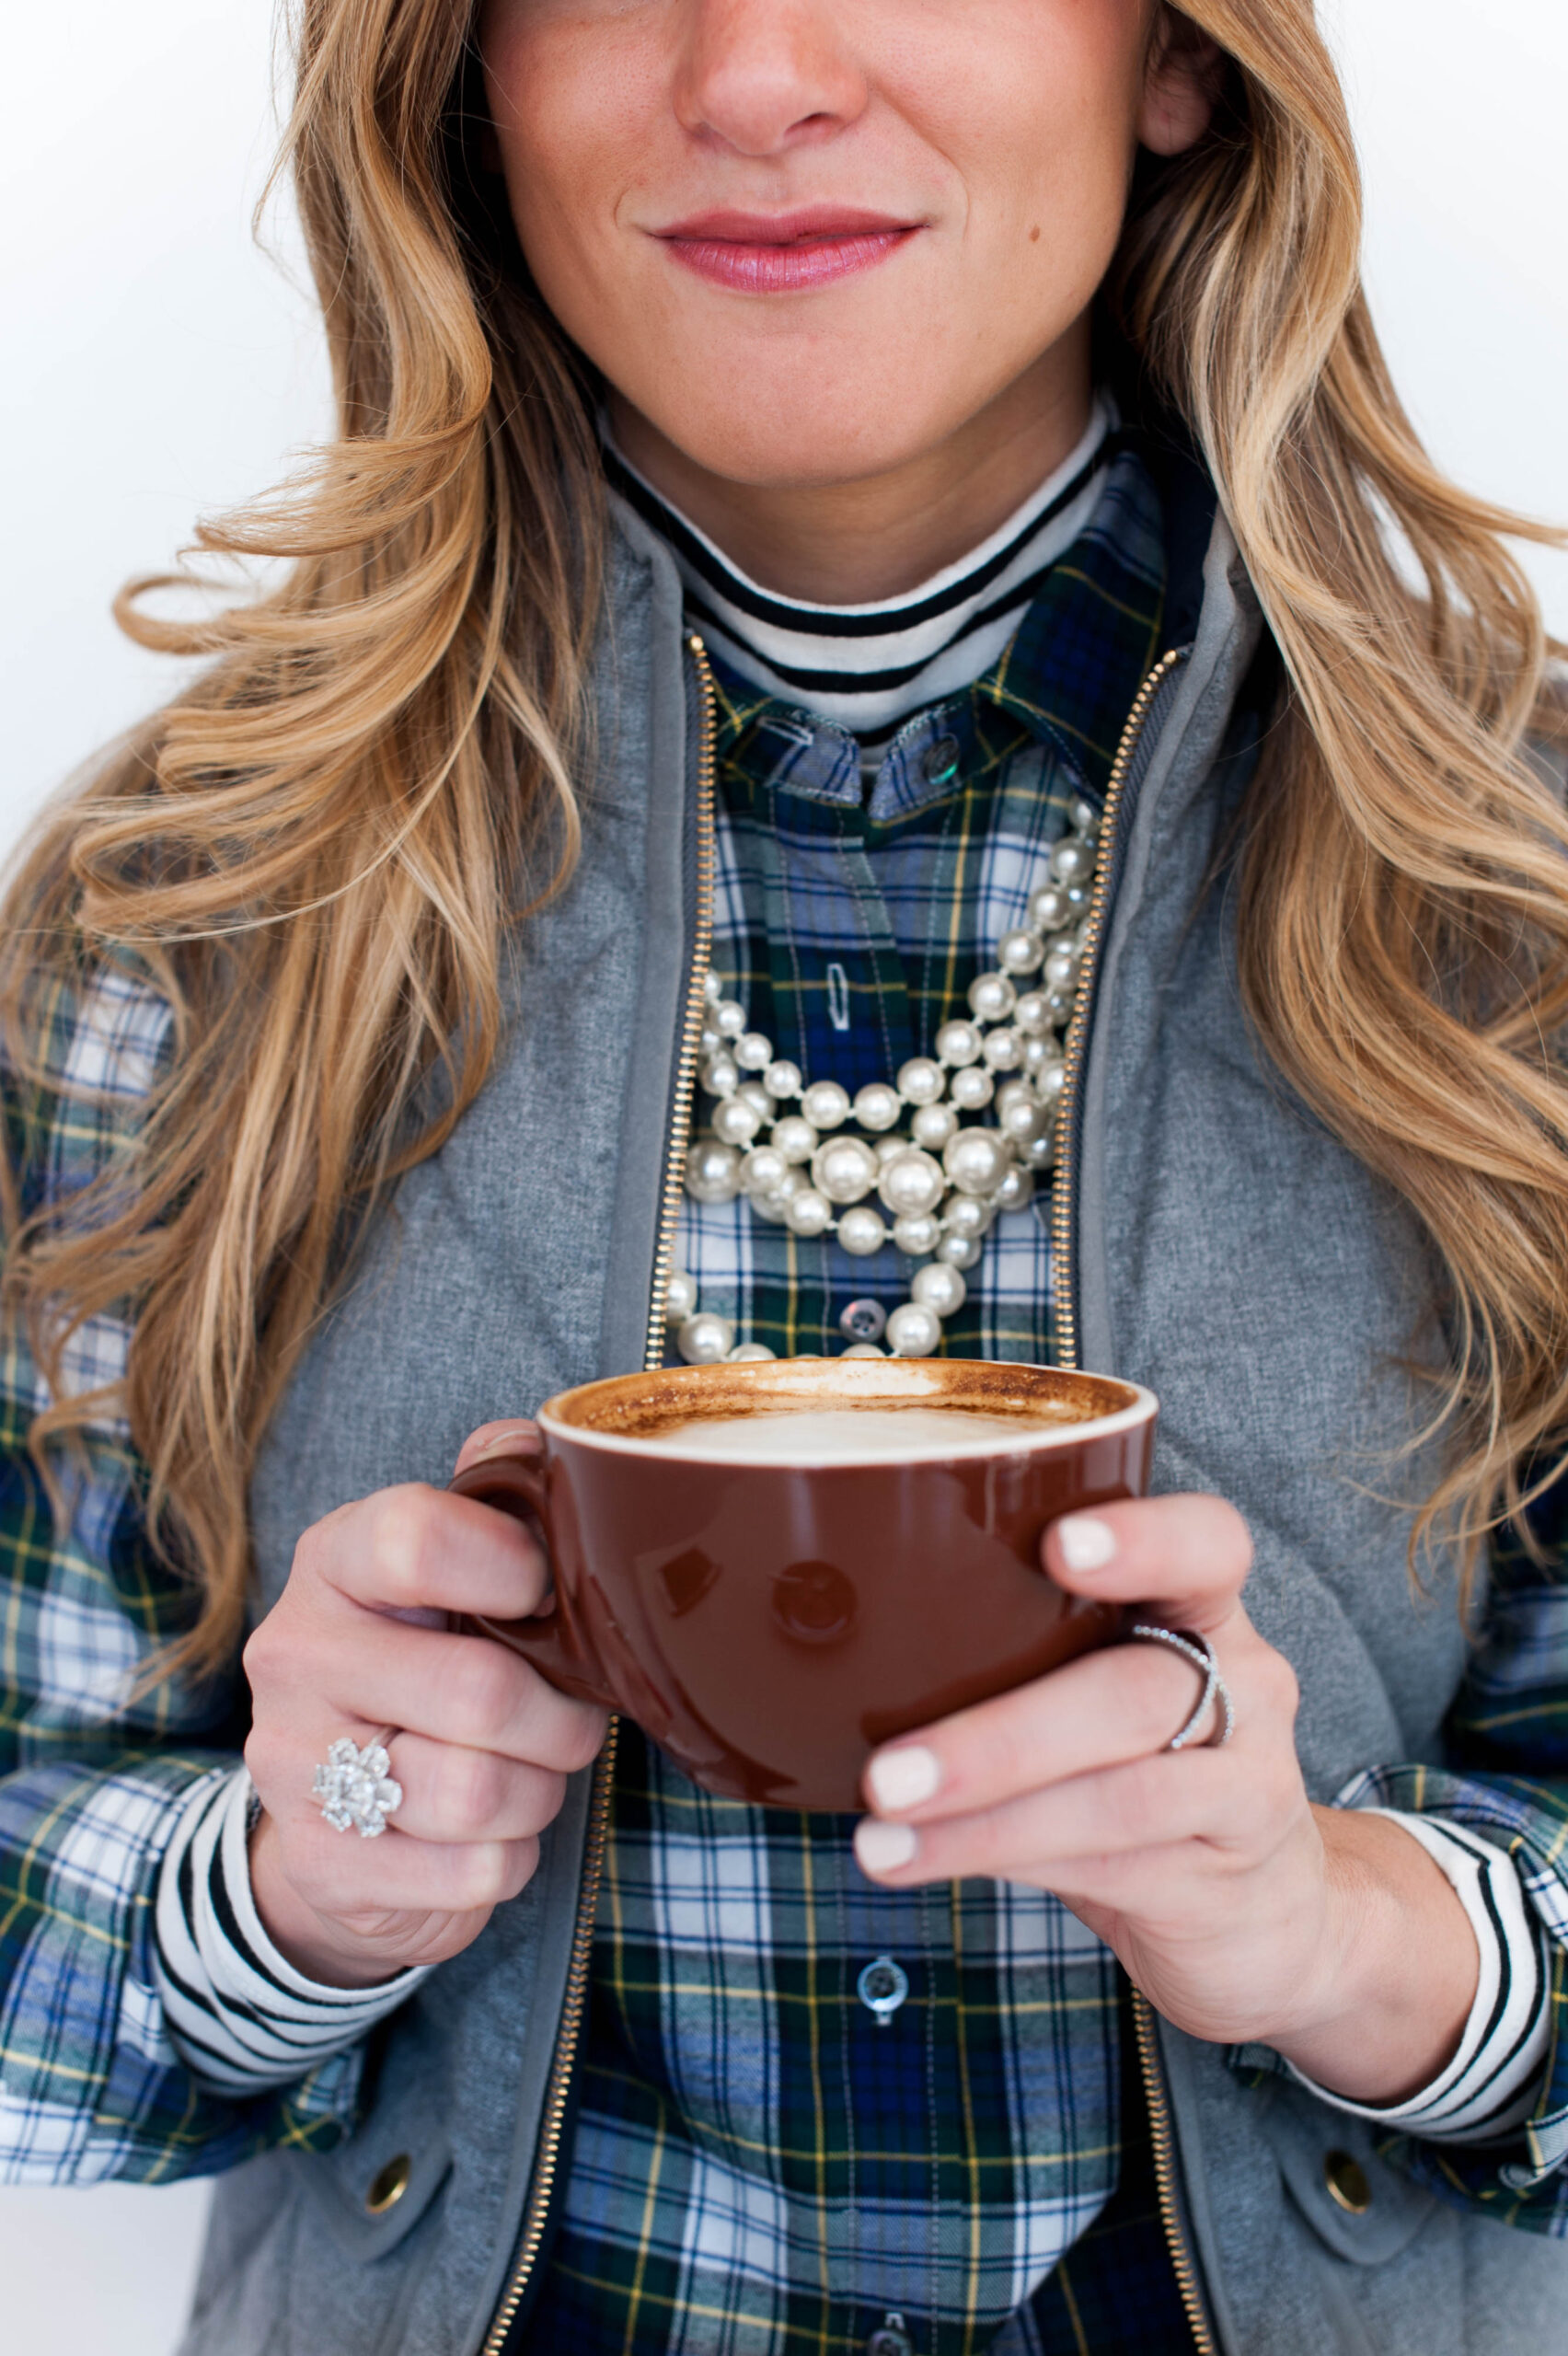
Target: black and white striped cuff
[(1493, 2083), (239, 2016)]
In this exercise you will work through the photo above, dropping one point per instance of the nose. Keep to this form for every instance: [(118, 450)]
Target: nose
[(764, 76)]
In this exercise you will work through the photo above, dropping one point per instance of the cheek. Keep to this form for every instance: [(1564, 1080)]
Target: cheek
[(573, 115), (1037, 113)]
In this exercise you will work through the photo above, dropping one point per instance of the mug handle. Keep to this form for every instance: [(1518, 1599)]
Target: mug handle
[(556, 1649)]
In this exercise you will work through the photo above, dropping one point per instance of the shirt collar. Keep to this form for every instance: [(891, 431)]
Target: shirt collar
[(1067, 680)]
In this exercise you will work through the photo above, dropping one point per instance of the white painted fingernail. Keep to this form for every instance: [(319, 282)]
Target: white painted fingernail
[(882, 1848), (1087, 1542), (902, 1778)]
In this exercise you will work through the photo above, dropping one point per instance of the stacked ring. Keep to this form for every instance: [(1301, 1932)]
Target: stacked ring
[(1216, 1694)]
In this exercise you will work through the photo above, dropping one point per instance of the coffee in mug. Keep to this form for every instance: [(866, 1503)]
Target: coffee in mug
[(776, 1566)]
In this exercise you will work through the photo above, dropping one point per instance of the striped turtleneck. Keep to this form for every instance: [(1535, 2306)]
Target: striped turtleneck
[(867, 669)]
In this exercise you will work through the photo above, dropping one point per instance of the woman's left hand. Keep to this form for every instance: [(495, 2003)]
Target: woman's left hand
[(1241, 1910)]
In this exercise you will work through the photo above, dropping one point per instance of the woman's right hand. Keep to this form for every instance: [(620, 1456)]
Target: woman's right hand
[(358, 1642)]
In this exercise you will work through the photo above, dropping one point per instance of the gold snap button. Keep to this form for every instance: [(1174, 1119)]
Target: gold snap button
[(388, 2185), (1346, 2180)]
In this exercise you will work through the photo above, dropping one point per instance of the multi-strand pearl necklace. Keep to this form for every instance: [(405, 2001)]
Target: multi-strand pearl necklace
[(941, 1181)]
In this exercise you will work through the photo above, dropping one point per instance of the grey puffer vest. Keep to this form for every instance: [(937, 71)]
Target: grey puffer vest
[(1228, 1252)]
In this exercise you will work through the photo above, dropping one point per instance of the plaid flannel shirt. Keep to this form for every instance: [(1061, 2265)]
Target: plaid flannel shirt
[(732, 2072)]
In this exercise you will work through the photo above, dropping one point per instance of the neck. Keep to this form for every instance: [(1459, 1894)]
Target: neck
[(851, 543)]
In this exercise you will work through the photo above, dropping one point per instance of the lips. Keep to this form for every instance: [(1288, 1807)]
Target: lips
[(786, 253)]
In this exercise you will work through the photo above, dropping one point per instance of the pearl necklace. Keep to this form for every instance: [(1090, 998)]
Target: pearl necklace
[(940, 1183)]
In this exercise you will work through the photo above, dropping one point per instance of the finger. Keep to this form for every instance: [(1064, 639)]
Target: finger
[(419, 1546), (455, 1689), (340, 1875), (1102, 1710), (451, 1793), (1150, 1804), (1187, 1558), (518, 1436)]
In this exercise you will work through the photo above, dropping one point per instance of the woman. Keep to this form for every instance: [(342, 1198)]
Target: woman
[(932, 469)]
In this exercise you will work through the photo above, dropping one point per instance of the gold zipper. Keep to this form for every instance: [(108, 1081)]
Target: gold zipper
[(1162, 2135), (1078, 1029), (1162, 2132), (535, 2213)]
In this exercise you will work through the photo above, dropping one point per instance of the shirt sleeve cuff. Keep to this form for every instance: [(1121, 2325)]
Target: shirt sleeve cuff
[(239, 2016), (1491, 2086)]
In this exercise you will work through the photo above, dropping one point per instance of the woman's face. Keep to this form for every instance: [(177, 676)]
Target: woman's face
[(810, 240)]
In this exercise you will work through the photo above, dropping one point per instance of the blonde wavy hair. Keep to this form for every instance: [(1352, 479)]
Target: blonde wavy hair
[(316, 853)]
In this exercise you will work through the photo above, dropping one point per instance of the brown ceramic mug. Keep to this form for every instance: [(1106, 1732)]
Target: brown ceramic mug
[(770, 1618)]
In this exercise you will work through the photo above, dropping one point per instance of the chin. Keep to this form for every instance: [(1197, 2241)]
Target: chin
[(807, 442)]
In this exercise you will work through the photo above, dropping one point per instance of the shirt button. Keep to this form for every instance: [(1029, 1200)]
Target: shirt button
[(882, 1987), (864, 1320), (890, 2338), (939, 760)]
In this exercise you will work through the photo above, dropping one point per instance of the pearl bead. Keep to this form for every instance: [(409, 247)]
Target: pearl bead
[(680, 1300), (782, 1079), (721, 1075), (1049, 908), (749, 1354), (992, 997), (932, 1127), (1051, 1078), (1078, 895), (958, 1043), (709, 1039), (796, 1140), (771, 1205), (862, 1231), (940, 1286), (1062, 967), (913, 1331), (736, 1121), (1042, 1153), (976, 1161), (1017, 1189), (972, 1089), (712, 1172), (1019, 952), (751, 1092), (713, 988), (844, 1170), (887, 1147), (862, 1350), (967, 1215), (960, 1251), (911, 1180), (1072, 861), (752, 1052), (921, 1082), (808, 1213), (1061, 1004), (918, 1232), (1004, 1050), (705, 1339), (1024, 1120), (1031, 1015), (1084, 815), (730, 1017), (763, 1169), (825, 1104), (1038, 1053), (877, 1106)]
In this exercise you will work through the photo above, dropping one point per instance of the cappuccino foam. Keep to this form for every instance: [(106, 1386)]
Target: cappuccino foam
[(853, 1435)]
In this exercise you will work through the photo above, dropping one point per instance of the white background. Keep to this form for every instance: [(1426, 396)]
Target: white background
[(157, 366)]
